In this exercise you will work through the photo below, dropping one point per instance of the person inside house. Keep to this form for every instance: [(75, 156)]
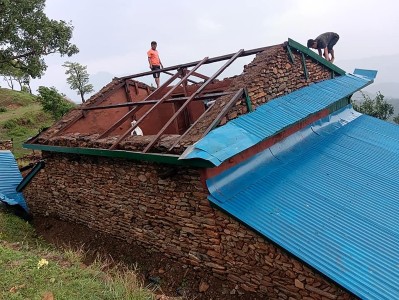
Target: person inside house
[(325, 42), (154, 61)]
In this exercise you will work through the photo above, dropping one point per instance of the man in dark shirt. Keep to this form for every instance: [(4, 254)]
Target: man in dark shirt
[(326, 42)]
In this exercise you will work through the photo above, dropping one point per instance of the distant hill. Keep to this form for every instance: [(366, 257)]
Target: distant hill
[(21, 117), (387, 81)]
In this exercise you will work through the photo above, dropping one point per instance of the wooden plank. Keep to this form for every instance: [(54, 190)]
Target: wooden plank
[(290, 54), (189, 80), (156, 105), (224, 111), (200, 76), (197, 92), (151, 102), (248, 100), (191, 64), (305, 70), (191, 127)]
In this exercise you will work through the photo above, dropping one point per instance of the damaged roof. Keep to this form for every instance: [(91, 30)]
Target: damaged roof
[(173, 117)]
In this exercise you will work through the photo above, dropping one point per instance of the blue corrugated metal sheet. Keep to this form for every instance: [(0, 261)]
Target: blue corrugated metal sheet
[(366, 73), (10, 177), (272, 117), (328, 194)]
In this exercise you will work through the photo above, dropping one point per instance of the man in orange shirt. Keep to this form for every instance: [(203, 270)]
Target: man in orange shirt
[(154, 60)]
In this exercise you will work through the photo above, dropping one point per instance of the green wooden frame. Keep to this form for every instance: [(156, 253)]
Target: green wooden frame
[(315, 56), (150, 157)]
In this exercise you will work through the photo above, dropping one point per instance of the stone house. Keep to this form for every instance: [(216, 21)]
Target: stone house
[(177, 187)]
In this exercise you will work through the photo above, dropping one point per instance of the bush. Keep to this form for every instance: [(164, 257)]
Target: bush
[(54, 102), (10, 124), (3, 109)]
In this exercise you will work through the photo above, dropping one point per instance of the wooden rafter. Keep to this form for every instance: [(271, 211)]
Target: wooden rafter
[(151, 102), (224, 111), (136, 109), (201, 76), (191, 64), (156, 105), (197, 92), (191, 127)]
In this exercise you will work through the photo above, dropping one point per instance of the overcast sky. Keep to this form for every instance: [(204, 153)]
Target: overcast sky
[(114, 36)]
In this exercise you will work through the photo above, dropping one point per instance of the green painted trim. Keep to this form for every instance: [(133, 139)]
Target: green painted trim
[(40, 165), (315, 56), (158, 158), (339, 104), (305, 70), (290, 54), (248, 100)]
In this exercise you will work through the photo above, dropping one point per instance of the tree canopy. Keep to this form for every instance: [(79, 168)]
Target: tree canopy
[(54, 102), (377, 107), (78, 78), (27, 35)]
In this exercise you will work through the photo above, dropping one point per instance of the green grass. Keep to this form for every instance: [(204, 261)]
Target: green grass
[(21, 117), (14, 98), (64, 276)]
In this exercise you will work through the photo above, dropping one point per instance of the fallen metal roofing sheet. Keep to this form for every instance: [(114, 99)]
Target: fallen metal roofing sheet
[(329, 195), (10, 177), (273, 117)]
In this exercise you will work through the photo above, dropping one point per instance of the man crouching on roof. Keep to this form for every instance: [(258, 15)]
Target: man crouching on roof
[(326, 42)]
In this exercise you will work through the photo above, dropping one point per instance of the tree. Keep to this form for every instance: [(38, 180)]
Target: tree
[(377, 107), (78, 78), (11, 74), (54, 102), (27, 35), (396, 119)]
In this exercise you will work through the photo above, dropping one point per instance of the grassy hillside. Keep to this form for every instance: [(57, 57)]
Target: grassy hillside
[(21, 117), (32, 269)]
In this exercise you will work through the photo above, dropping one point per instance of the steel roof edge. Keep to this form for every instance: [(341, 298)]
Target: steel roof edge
[(10, 177), (248, 130), (315, 56), (151, 157)]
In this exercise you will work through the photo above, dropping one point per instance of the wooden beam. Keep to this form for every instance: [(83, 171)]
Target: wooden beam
[(191, 64), (224, 111), (197, 92), (156, 105), (305, 70), (291, 56), (200, 76), (192, 81), (151, 102), (191, 127), (99, 100)]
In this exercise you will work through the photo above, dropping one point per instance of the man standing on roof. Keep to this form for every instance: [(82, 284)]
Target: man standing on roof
[(154, 60), (326, 42)]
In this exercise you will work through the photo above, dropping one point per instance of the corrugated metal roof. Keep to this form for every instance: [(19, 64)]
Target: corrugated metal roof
[(329, 195), (273, 117), (10, 177)]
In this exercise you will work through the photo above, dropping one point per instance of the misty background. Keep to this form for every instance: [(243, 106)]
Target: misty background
[(114, 36)]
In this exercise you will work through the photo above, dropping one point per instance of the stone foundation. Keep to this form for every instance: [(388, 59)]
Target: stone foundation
[(6, 145), (165, 207)]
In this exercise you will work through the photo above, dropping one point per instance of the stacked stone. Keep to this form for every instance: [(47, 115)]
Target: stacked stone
[(6, 145), (270, 75), (166, 209)]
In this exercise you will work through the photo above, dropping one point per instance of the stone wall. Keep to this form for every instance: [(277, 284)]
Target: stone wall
[(165, 207), (6, 145), (271, 74)]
